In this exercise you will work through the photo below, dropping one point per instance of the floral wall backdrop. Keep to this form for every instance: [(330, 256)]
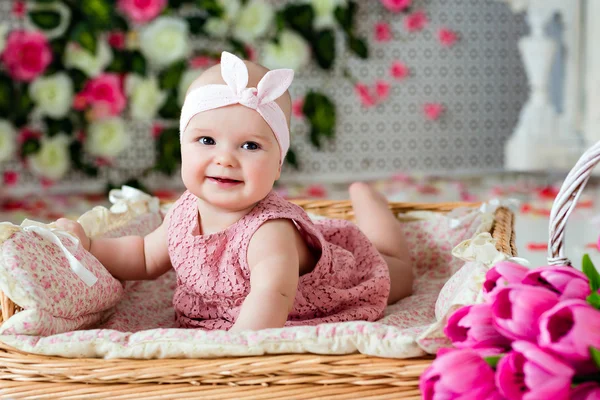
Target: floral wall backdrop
[(90, 91)]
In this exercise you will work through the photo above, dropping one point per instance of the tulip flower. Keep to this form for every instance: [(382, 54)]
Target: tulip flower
[(472, 327), (567, 282), (502, 274), (517, 308), (530, 373), (458, 374), (586, 391), (569, 329)]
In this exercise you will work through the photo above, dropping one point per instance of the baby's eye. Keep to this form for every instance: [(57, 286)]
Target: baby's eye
[(251, 146), (207, 140)]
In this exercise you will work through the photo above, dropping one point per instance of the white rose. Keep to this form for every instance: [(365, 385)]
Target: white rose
[(3, 32), (63, 11), (186, 80), (231, 8), (324, 12), (53, 159), (107, 137), (92, 65), (254, 20), (145, 96), (165, 40), (216, 27), (53, 95), (291, 52), (8, 136)]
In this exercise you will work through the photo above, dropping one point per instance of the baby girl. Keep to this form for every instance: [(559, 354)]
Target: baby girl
[(245, 258)]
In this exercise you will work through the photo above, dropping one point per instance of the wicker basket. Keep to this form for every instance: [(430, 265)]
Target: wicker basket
[(295, 376)]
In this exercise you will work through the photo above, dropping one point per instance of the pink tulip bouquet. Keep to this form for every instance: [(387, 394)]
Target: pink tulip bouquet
[(537, 336)]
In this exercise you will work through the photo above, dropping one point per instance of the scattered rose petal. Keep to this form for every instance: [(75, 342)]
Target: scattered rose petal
[(537, 246), (382, 88), (396, 6), (297, 107), (415, 21), (318, 191), (399, 70), (447, 37), (10, 178), (433, 111), (383, 32)]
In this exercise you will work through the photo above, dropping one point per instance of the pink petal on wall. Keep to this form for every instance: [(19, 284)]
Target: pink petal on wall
[(399, 70), (433, 111), (297, 106), (415, 21), (447, 37), (383, 32)]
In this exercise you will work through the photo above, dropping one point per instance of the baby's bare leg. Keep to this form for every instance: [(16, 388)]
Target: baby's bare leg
[(379, 224)]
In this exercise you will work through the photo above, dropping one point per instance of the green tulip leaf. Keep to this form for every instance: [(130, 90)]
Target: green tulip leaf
[(590, 271), (46, 20), (595, 353), (324, 48), (594, 300), (493, 360)]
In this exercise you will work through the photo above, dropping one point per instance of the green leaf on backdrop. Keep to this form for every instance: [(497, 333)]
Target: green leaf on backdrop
[(590, 271), (170, 77), (45, 1), (138, 63), (324, 48), (170, 110), (168, 151), (345, 16), (119, 23), (238, 48), (212, 7), (29, 147), (292, 159), (78, 77), (299, 17), (56, 126), (118, 63), (134, 183), (196, 24), (358, 46), (45, 19), (76, 152), (320, 112), (23, 106), (6, 95), (84, 35), (595, 356), (98, 12)]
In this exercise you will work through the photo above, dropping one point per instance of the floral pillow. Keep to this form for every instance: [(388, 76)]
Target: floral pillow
[(59, 285)]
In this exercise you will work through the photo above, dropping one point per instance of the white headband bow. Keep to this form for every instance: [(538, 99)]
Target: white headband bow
[(262, 98)]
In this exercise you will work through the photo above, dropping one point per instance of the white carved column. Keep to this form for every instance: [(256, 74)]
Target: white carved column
[(542, 139)]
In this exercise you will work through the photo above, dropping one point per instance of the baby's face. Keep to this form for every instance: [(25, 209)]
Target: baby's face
[(230, 157)]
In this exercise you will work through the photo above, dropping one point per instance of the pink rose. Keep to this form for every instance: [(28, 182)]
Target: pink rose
[(528, 372), (569, 329), (383, 33), (141, 11), (104, 95), (399, 70), (26, 55), (396, 5), (517, 310), (415, 21), (116, 40), (458, 374), (472, 327), (502, 274), (567, 282), (297, 107), (586, 391)]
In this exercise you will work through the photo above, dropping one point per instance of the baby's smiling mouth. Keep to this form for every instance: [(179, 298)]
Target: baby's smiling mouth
[(220, 179)]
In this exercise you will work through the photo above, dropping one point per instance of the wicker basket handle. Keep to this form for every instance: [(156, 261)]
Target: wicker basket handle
[(565, 203)]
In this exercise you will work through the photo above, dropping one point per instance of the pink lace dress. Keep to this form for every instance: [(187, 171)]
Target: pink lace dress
[(349, 282)]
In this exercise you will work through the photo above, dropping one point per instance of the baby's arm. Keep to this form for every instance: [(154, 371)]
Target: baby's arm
[(274, 268), (128, 257)]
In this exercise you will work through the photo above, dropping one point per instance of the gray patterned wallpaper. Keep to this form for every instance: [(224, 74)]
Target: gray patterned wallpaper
[(480, 81)]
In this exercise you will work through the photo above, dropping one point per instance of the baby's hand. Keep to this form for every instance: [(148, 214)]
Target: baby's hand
[(75, 228)]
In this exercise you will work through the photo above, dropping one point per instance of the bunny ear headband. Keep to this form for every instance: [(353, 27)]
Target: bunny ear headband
[(262, 98)]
